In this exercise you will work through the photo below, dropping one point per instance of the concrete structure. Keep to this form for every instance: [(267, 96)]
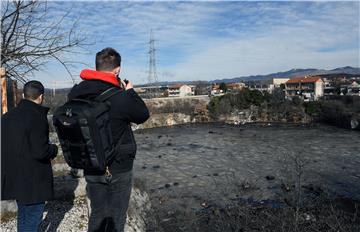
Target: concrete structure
[(307, 88)]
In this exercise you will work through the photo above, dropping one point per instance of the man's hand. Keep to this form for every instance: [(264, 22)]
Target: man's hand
[(129, 85)]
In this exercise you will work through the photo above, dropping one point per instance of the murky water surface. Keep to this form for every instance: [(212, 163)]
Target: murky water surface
[(219, 161)]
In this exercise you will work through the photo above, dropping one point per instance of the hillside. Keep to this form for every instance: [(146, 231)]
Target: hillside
[(293, 73)]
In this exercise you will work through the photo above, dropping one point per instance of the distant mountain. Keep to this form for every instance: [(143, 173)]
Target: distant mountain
[(287, 74), (166, 83), (293, 73), (347, 70)]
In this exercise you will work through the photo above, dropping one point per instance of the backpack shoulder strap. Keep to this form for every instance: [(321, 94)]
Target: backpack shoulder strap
[(107, 94)]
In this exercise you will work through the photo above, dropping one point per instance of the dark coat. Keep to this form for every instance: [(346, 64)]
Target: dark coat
[(126, 107), (26, 173)]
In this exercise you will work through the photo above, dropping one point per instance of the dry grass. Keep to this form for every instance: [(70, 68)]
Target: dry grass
[(321, 215)]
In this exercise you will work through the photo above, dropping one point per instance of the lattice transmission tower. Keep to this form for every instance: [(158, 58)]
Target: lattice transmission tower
[(152, 78)]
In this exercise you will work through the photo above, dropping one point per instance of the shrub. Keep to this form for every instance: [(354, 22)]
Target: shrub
[(312, 108), (336, 113), (297, 101), (276, 97), (240, 100), (213, 107)]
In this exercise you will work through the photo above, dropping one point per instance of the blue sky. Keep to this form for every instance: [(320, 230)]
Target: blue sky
[(210, 40)]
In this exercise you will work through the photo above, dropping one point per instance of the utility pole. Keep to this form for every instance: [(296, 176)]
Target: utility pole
[(8, 92), (54, 89), (152, 78), (4, 106)]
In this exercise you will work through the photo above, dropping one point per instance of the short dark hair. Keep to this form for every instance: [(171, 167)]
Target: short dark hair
[(33, 89), (107, 59)]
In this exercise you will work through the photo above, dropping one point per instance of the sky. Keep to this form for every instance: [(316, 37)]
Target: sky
[(211, 40)]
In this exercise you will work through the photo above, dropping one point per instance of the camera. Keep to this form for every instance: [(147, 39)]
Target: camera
[(125, 81)]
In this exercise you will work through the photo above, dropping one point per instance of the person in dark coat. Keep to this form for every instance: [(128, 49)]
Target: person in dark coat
[(26, 154), (109, 193)]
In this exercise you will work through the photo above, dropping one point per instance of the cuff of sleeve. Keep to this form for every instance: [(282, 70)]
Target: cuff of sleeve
[(130, 92), (55, 150)]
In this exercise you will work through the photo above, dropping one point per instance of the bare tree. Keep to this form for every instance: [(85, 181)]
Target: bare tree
[(30, 38)]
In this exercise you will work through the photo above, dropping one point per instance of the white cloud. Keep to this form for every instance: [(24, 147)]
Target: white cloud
[(197, 40), (259, 56), (283, 49)]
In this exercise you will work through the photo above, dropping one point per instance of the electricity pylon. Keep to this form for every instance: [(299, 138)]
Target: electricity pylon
[(152, 78)]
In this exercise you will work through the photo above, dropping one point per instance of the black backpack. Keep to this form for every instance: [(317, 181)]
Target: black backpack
[(83, 128)]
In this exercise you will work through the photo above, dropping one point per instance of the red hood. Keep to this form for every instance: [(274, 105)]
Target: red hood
[(88, 74)]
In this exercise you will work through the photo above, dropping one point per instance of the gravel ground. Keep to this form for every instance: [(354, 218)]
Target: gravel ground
[(61, 214), (69, 215)]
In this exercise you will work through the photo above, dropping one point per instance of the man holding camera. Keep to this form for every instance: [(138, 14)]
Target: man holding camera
[(109, 192)]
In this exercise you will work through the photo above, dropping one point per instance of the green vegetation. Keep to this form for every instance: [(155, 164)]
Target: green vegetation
[(239, 100), (312, 108), (339, 112), (273, 104), (223, 87), (274, 107)]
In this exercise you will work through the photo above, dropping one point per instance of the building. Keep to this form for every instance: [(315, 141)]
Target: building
[(277, 82), (307, 88), (353, 89), (235, 86), (174, 90), (215, 90), (338, 83), (187, 90), (181, 90), (329, 86), (260, 85), (151, 91)]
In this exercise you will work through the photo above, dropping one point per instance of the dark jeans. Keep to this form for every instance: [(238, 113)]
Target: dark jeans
[(29, 217), (109, 200)]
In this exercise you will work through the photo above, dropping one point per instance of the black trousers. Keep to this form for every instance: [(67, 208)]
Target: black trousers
[(109, 201)]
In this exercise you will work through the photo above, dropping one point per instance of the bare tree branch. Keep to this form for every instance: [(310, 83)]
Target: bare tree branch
[(30, 38)]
